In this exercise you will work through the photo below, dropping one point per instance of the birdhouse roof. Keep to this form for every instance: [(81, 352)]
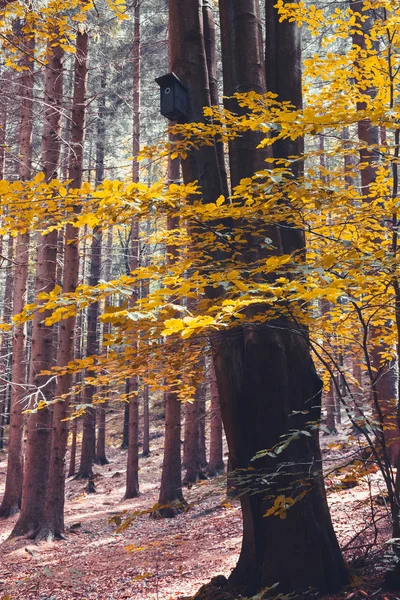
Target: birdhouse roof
[(168, 79)]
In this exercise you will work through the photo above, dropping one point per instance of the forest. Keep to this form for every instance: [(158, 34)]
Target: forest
[(199, 299)]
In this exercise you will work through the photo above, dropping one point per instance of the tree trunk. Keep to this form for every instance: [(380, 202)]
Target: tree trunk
[(88, 451), (5, 350), (52, 524), (101, 456), (258, 373), (171, 499), (191, 440), (43, 342), (125, 431), (72, 459), (202, 431), (265, 375), (12, 495), (216, 462), (330, 408), (146, 421), (132, 467), (211, 58), (132, 470)]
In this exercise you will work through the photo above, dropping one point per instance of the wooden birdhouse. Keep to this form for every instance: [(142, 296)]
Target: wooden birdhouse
[(174, 98)]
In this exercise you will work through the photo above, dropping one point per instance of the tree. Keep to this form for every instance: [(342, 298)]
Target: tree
[(43, 342), (52, 524), (258, 367), (12, 495)]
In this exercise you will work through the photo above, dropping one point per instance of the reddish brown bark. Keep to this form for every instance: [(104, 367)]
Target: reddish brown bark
[(132, 470), (5, 348), (146, 422), (171, 499), (12, 494), (88, 451), (191, 441), (216, 462), (259, 368), (43, 342), (101, 456), (132, 467), (52, 523)]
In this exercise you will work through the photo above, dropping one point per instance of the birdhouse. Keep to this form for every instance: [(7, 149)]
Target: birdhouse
[(174, 98)]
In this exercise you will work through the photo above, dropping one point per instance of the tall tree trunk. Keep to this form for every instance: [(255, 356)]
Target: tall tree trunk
[(259, 368), (330, 408), (43, 342), (101, 457), (79, 340), (171, 499), (88, 451), (132, 469), (125, 430), (216, 462), (192, 455), (146, 421), (52, 523), (202, 431), (5, 350), (12, 495)]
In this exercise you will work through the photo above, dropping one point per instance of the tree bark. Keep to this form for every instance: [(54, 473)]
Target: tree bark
[(146, 421), (266, 378), (101, 456), (52, 524), (5, 366), (216, 462), (43, 342), (171, 500), (132, 470), (88, 451), (125, 430), (12, 495)]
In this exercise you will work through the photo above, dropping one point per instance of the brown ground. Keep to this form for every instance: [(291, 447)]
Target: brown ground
[(169, 559)]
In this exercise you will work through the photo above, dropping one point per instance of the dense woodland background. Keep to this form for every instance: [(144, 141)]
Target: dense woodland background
[(201, 314)]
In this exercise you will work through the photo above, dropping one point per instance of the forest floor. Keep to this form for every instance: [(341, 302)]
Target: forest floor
[(155, 559)]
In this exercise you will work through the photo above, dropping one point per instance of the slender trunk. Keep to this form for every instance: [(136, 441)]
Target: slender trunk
[(88, 451), (216, 462), (132, 469), (43, 342), (202, 431), (5, 350), (125, 431), (52, 524), (191, 441), (146, 421), (3, 132), (330, 408), (79, 337), (211, 58), (171, 499), (72, 459), (101, 457)]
